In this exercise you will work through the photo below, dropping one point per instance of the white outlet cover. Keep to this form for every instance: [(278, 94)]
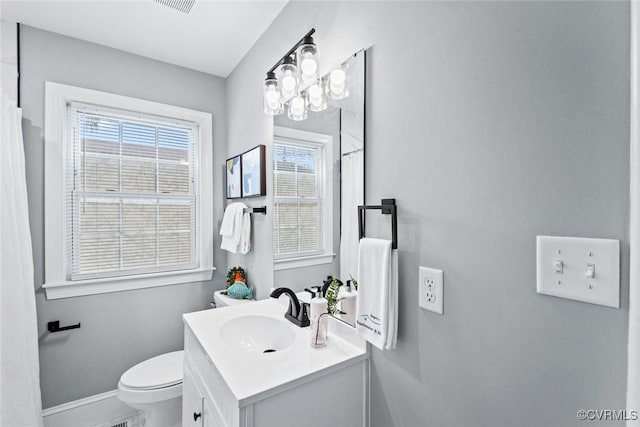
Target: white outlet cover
[(431, 289), (578, 256)]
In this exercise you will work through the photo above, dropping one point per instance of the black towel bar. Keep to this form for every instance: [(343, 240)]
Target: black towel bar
[(388, 207), (55, 326), (261, 209)]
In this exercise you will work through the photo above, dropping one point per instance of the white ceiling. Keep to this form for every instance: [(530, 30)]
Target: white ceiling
[(212, 38)]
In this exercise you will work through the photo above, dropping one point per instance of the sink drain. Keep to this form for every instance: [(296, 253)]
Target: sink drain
[(269, 350)]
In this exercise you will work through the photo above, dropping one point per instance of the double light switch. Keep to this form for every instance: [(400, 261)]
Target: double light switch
[(581, 269), (589, 272)]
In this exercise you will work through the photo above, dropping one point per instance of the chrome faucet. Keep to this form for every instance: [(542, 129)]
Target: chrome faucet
[(298, 314)]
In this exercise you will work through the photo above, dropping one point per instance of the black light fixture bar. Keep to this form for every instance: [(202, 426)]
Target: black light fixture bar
[(293, 49)]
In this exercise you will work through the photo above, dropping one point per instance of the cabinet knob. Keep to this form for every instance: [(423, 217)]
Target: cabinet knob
[(196, 415)]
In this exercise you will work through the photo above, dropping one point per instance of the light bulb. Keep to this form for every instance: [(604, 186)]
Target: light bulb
[(336, 87), (272, 95), (336, 84), (315, 98), (297, 104), (309, 64), (315, 91), (297, 110), (307, 61), (288, 81), (338, 76), (271, 103)]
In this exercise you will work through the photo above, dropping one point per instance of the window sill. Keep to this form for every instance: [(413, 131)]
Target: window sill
[(288, 263), (66, 289)]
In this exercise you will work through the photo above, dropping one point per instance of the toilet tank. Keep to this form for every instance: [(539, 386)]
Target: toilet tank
[(225, 300)]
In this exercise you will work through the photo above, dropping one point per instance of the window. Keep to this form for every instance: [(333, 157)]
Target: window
[(131, 198), (302, 198), (127, 204)]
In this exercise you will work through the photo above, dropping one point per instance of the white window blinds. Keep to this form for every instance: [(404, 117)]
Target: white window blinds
[(298, 199), (131, 193)]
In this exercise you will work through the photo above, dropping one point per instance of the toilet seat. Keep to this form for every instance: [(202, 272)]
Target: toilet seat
[(158, 372), (138, 396), (153, 380)]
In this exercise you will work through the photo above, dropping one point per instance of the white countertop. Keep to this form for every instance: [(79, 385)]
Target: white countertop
[(250, 375)]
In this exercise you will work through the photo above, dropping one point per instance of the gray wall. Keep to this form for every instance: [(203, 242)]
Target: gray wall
[(124, 328), (489, 123), (8, 58)]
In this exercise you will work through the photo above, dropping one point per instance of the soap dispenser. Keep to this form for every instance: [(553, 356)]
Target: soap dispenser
[(348, 303), (319, 321)]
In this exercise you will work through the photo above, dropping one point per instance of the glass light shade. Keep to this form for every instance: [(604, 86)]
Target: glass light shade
[(271, 97), (288, 79), (336, 84), (307, 59), (316, 101), (297, 108)]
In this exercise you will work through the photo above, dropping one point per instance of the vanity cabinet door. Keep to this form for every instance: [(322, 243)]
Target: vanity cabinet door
[(192, 401), (209, 419)]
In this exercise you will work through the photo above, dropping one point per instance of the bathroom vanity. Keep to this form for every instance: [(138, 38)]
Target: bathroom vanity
[(246, 366)]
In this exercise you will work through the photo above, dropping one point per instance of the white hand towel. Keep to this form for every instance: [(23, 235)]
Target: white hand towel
[(377, 303), (229, 217), (232, 221), (245, 234), (392, 336)]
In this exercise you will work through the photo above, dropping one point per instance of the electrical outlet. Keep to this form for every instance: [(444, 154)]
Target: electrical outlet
[(431, 289)]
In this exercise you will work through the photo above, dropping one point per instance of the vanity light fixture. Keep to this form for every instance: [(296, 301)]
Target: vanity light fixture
[(293, 82)]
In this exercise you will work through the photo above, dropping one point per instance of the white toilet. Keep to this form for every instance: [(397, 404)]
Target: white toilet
[(154, 386)]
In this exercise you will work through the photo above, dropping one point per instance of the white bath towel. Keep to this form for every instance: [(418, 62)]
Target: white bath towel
[(377, 303), (231, 227), (245, 234)]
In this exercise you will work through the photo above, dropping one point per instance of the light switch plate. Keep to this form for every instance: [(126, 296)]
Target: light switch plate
[(431, 289), (580, 258)]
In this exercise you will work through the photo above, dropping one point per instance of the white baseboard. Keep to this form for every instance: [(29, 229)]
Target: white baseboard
[(90, 411)]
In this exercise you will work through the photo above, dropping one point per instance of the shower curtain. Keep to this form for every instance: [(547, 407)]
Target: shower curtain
[(352, 176), (20, 403)]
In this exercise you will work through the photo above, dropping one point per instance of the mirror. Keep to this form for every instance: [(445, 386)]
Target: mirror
[(318, 182)]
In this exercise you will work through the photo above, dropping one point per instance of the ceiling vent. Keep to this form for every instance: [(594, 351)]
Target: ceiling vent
[(183, 6)]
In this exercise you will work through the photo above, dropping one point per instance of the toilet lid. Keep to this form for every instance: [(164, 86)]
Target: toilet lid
[(158, 372)]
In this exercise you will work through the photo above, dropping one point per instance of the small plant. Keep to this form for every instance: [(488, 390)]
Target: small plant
[(332, 297), (354, 282), (236, 274)]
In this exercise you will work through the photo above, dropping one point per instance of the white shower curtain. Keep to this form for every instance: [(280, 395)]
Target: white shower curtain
[(352, 175), (20, 403)]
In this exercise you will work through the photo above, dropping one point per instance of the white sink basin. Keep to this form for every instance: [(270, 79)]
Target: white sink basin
[(257, 334)]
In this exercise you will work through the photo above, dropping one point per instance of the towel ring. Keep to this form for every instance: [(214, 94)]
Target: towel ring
[(387, 207)]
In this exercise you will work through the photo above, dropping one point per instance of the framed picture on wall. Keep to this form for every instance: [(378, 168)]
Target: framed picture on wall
[(254, 183), (234, 178)]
